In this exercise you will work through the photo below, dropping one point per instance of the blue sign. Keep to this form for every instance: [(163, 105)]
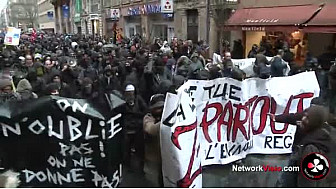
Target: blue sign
[(50, 15), (168, 15), (145, 9), (65, 9)]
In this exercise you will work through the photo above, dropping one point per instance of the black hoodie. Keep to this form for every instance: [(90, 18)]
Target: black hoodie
[(320, 138)]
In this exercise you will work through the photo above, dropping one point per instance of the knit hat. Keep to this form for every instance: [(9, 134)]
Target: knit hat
[(157, 101), (129, 88), (317, 115)]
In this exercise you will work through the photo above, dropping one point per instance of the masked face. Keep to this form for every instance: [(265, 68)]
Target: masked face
[(57, 79), (157, 113), (128, 67), (130, 98), (88, 89), (108, 73)]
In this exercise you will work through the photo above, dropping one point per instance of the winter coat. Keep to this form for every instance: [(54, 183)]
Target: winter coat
[(108, 84), (278, 67), (319, 141), (38, 84), (134, 114), (261, 68), (25, 90), (144, 83), (70, 76), (49, 74), (153, 161)]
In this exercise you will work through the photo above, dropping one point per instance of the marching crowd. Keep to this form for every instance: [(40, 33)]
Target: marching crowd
[(89, 67)]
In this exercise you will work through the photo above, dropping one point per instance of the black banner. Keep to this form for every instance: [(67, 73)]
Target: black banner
[(62, 142)]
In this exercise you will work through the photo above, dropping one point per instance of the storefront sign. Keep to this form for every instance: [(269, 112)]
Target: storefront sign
[(167, 6), (113, 14), (168, 15), (253, 28), (262, 20), (145, 9)]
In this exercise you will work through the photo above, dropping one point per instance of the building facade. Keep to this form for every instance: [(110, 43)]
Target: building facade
[(3, 19), (62, 15), (22, 14), (142, 17), (46, 16), (202, 20)]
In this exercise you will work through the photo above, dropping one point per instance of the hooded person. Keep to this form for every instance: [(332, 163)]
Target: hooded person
[(6, 90), (87, 89), (253, 52), (134, 113), (109, 82), (70, 72), (197, 62), (25, 90), (64, 89), (160, 72), (143, 81), (260, 67), (151, 125), (178, 81), (314, 137)]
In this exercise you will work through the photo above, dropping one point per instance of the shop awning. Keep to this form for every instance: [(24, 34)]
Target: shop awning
[(272, 16), (324, 21)]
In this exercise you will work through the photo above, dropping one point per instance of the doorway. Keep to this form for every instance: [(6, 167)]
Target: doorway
[(192, 25)]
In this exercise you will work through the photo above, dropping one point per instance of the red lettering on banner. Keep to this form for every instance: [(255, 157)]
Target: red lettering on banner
[(180, 130), (239, 124), (205, 123), (286, 111), (301, 97), (189, 178), (235, 123), (227, 110), (263, 114)]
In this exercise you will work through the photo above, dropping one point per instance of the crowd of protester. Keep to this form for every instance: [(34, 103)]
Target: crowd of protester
[(88, 67)]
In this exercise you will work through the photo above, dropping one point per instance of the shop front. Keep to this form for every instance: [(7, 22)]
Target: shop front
[(148, 21), (291, 26), (161, 26)]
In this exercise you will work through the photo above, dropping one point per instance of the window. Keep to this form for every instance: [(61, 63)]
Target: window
[(160, 31), (94, 6), (131, 31)]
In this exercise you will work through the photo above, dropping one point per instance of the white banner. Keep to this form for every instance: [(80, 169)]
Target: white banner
[(244, 64), (167, 6), (12, 36), (221, 121)]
